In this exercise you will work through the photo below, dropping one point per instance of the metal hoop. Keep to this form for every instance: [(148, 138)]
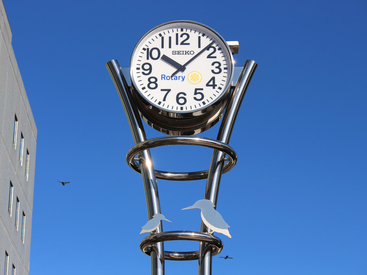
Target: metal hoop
[(230, 162), (213, 243)]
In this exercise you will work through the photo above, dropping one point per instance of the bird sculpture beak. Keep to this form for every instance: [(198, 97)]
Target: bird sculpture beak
[(167, 220), (187, 208)]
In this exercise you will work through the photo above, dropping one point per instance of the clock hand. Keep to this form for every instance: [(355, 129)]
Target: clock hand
[(172, 62), (183, 67)]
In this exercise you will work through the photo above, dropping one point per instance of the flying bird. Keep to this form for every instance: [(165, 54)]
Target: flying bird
[(64, 182), (153, 223), (211, 217), (226, 257)]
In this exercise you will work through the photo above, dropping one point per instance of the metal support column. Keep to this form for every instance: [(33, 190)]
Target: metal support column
[(145, 160), (218, 158)]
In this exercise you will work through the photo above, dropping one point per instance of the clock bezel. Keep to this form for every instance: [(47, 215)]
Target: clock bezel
[(182, 122)]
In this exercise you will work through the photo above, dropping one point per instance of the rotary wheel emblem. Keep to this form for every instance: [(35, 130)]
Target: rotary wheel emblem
[(194, 77)]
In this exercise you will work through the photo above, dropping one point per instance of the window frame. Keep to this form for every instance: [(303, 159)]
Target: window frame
[(6, 263), (15, 132), (24, 220), (21, 149), (11, 196), (17, 212), (27, 161)]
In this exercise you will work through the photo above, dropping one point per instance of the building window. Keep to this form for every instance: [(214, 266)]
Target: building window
[(21, 150), (23, 227), (17, 214), (10, 203), (15, 133), (6, 263), (14, 270), (27, 165)]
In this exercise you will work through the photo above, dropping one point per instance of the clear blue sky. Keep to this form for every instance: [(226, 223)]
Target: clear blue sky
[(297, 199)]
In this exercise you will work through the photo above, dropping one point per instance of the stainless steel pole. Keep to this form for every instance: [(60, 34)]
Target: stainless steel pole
[(217, 162), (146, 163)]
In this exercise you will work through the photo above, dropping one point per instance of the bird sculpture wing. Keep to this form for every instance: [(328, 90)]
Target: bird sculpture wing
[(150, 226), (153, 223), (215, 218), (215, 222)]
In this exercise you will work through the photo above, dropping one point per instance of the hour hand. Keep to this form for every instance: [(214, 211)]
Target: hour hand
[(175, 64)]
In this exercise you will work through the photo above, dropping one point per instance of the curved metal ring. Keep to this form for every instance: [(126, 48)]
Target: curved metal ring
[(182, 140), (214, 243)]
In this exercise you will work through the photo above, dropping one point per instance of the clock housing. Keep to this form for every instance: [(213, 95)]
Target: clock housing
[(181, 74)]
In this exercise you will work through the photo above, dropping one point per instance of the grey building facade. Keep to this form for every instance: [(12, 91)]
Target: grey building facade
[(18, 138)]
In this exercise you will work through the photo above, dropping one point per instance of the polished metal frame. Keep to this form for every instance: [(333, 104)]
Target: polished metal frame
[(139, 159)]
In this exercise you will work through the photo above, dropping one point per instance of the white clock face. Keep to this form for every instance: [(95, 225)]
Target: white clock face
[(181, 67)]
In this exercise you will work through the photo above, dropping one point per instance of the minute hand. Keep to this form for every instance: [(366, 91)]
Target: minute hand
[(183, 67)]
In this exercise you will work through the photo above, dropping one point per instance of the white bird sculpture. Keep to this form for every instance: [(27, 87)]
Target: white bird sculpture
[(211, 217), (153, 223)]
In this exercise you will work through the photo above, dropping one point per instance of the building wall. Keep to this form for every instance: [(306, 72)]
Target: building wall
[(15, 243)]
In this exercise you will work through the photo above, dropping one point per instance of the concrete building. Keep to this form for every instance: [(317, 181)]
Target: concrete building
[(18, 137)]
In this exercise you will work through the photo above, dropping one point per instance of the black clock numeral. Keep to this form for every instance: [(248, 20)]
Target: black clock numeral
[(199, 42), (185, 36), (218, 66), (183, 42), (153, 53), (211, 83), (199, 94), (210, 55), (167, 91), (147, 68), (152, 83), (162, 41), (181, 99)]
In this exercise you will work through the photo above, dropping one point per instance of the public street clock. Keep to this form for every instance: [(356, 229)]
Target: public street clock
[(181, 73)]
